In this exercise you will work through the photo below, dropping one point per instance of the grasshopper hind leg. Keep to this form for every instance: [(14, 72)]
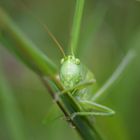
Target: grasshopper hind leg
[(92, 109)]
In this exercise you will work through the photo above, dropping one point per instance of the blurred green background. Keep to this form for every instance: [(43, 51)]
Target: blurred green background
[(109, 29)]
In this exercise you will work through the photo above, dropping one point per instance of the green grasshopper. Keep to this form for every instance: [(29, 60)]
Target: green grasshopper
[(78, 80)]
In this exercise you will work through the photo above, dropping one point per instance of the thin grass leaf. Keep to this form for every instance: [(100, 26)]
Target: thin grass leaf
[(116, 74), (76, 25)]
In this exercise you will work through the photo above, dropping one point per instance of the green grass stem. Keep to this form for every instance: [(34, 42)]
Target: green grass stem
[(76, 25)]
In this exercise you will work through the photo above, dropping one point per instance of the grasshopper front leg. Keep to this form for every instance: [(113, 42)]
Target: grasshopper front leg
[(78, 86), (92, 108)]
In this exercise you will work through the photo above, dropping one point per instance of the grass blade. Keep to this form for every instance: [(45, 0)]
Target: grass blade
[(76, 25)]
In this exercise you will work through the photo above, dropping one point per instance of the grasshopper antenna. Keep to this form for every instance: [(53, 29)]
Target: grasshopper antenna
[(47, 30), (53, 38)]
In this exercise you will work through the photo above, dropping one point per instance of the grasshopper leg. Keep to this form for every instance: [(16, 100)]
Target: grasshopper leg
[(78, 86), (93, 109)]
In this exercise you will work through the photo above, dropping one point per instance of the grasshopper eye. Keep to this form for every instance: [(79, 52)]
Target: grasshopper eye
[(77, 61), (62, 60)]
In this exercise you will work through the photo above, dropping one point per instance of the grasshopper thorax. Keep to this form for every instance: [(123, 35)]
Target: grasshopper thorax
[(70, 71)]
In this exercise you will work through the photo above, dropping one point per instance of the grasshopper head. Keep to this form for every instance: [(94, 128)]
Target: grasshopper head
[(70, 71)]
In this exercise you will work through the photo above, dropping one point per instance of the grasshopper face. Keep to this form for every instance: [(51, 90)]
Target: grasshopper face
[(70, 71)]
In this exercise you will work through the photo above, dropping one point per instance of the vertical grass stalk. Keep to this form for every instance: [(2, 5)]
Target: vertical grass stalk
[(76, 25)]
